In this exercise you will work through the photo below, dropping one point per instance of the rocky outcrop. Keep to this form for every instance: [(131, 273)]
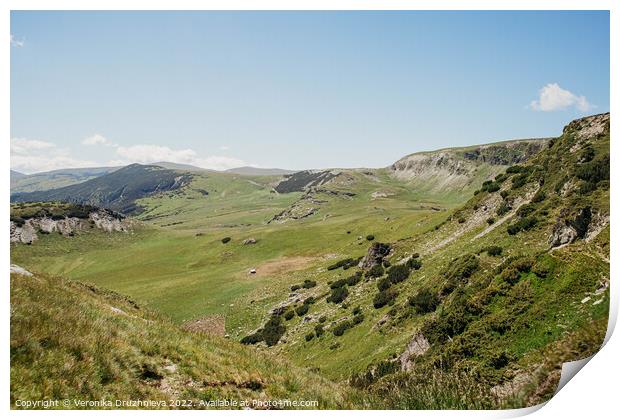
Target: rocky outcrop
[(376, 253), (416, 347), (589, 127), (28, 231), (456, 167), (568, 229)]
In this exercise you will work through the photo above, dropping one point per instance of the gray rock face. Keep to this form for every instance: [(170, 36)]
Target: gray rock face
[(101, 219), (376, 253), (562, 234), (416, 347)]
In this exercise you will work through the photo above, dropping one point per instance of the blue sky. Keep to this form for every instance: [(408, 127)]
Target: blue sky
[(294, 89)]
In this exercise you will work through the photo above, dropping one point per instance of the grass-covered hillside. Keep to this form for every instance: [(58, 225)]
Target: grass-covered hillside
[(464, 294), (71, 340)]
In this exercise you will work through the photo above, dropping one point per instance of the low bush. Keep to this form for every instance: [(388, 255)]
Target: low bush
[(295, 287), (424, 301), (490, 220), (318, 330), (302, 310), (375, 271), (226, 240), (338, 295), (494, 250), (322, 318), (357, 319), (524, 224), (340, 328), (519, 180), (288, 315), (308, 284), (461, 220), (273, 331), (384, 284), (398, 273), (539, 196), (345, 264), (370, 237), (384, 297), (357, 310), (309, 336), (413, 263), (354, 279), (503, 209)]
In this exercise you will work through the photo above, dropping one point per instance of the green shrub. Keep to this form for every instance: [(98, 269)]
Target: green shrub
[(461, 220), (308, 284), (288, 315), (386, 264), (357, 319), (524, 224), (302, 310), (398, 273), (494, 250), (318, 330), (273, 331), (295, 287), (384, 284), (539, 196), (252, 338), (354, 279), (462, 267), (357, 310), (338, 295), (309, 336), (345, 264), (490, 220), (375, 271), (413, 263), (503, 209), (370, 237), (595, 170), (309, 300), (526, 209), (424, 301), (338, 283), (415, 255), (226, 240), (323, 318), (340, 328), (519, 180), (504, 194), (384, 297)]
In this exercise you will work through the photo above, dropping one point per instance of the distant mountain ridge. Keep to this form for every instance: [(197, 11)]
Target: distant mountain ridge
[(253, 171), (117, 190)]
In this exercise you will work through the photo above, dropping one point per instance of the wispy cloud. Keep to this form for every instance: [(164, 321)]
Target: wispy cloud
[(149, 153), (553, 98), (98, 139), (17, 42), (224, 148), (28, 155)]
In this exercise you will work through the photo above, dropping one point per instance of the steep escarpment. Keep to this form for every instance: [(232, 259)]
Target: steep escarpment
[(460, 168), (117, 190)]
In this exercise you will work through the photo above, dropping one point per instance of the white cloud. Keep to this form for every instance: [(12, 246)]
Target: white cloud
[(17, 42), (31, 156), (96, 139), (224, 148), (149, 153), (553, 98)]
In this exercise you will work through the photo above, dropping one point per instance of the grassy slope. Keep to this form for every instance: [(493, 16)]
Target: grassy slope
[(162, 267), (112, 349)]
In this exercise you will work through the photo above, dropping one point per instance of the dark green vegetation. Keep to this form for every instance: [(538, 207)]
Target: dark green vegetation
[(476, 317), (21, 212), (117, 190), (54, 179)]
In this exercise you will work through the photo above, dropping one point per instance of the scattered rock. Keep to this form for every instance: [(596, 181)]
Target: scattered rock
[(16, 269), (416, 347), (376, 253), (249, 241)]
